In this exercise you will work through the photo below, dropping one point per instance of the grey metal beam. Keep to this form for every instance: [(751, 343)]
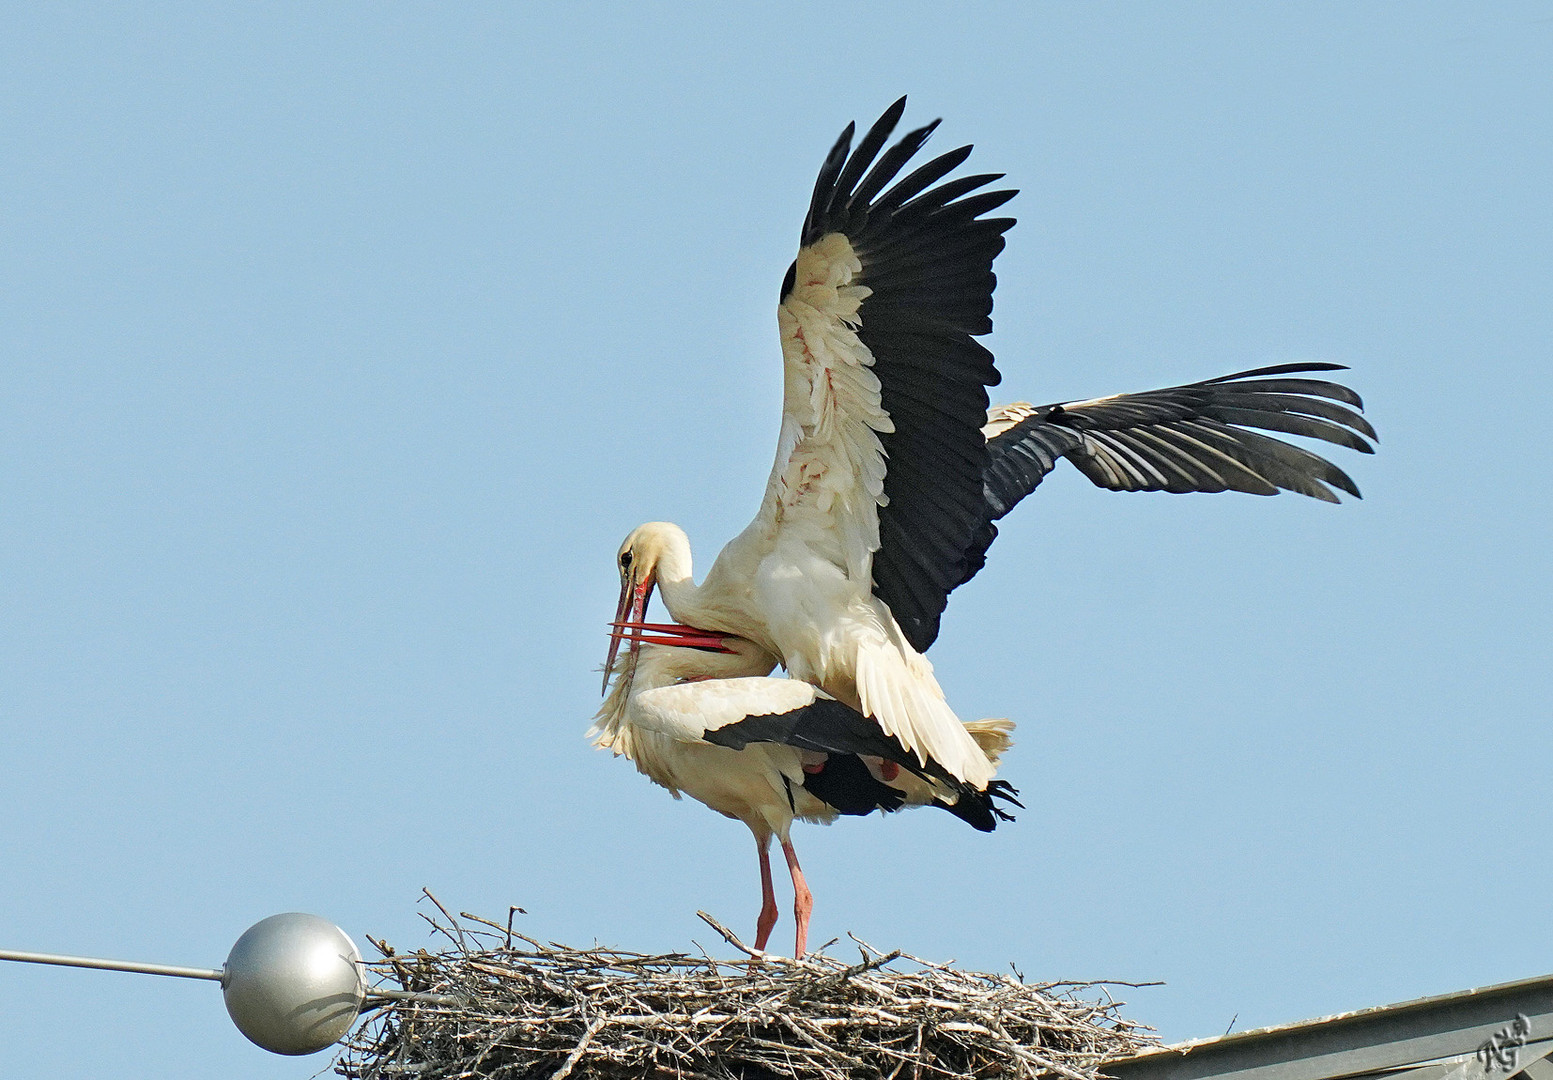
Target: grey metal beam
[(1540, 1069), (1351, 1044), (1484, 1066)]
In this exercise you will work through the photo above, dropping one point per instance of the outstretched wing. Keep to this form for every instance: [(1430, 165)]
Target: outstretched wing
[(881, 462), (1196, 437)]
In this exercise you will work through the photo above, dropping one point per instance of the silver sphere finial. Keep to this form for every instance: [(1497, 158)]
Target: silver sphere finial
[(293, 983)]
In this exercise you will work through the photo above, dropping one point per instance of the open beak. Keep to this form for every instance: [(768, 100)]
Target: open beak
[(628, 626), (632, 606)]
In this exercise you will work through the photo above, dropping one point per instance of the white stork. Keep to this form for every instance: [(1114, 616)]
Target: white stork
[(890, 471), (697, 714)]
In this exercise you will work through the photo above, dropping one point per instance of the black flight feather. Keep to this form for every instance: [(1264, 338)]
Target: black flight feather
[(927, 249), (845, 735), (927, 262)]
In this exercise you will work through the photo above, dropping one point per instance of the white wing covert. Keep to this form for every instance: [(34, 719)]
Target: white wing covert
[(688, 711)]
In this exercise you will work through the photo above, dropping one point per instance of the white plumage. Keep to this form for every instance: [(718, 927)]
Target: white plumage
[(765, 751), (891, 472)]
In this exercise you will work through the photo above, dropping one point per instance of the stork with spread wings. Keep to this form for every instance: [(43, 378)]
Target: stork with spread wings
[(891, 472)]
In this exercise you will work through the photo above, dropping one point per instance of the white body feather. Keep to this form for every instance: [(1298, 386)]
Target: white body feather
[(657, 720), (798, 580)]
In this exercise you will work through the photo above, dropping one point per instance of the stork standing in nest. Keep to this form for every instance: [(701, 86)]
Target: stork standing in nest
[(698, 714)]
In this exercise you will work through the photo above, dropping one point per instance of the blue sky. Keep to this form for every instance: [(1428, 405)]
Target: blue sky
[(343, 344)]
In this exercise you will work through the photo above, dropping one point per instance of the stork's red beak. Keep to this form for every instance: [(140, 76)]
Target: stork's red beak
[(633, 605), (683, 637), (628, 626)]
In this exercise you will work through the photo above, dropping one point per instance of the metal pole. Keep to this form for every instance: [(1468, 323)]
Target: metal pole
[(213, 974)]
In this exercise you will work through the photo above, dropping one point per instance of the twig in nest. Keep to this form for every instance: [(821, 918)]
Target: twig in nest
[(529, 1010)]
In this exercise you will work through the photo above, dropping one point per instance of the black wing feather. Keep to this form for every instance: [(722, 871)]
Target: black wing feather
[(890, 165), (1195, 437), (845, 735), (867, 149), (926, 256), (921, 178)]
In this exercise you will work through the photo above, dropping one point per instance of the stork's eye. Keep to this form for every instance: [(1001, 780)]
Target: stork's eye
[(625, 560)]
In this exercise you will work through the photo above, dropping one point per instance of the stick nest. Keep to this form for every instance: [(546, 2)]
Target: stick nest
[(508, 1006)]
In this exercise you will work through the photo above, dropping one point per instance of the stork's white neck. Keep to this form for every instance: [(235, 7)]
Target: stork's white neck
[(719, 603), (682, 597), (676, 584), (674, 560), (706, 605)]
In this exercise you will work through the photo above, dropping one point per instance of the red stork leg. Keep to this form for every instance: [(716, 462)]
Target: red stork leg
[(768, 908), (803, 899)]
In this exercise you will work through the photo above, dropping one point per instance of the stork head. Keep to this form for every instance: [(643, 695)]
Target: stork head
[(658, 547), (638, 560), (652, 549)]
